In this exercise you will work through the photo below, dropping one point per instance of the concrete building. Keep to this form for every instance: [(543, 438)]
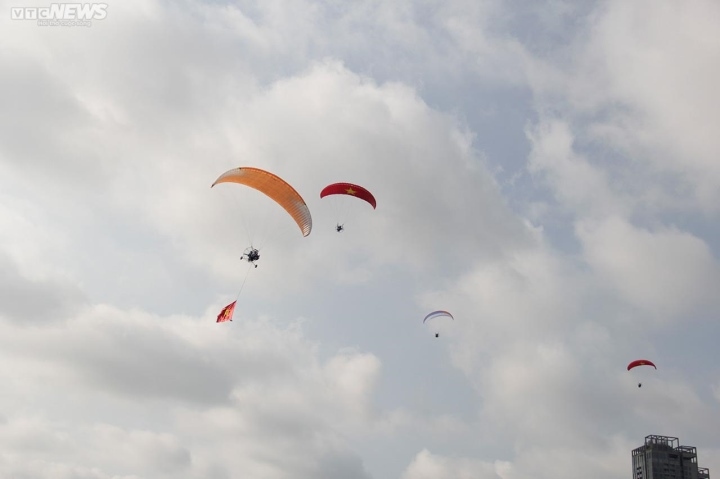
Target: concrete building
[(663, 457)]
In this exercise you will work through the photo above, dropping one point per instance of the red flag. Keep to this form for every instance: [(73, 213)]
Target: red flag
[(226, 313)]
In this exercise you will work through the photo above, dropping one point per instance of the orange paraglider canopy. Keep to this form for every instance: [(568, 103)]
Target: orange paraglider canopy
[(275, 188)]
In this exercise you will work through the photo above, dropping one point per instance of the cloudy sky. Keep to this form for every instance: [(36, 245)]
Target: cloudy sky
[(548, 171)]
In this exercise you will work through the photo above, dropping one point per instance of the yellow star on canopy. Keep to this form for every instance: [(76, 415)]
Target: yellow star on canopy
[(350, 191)]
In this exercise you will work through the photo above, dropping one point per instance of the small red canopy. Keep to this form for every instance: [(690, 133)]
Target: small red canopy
[(640, 362), (349, 189)]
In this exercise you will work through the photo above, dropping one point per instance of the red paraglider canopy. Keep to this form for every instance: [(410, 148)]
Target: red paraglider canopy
[(349, 189), (640, 362)]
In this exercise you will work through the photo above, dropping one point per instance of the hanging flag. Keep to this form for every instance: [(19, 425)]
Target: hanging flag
[(226, 313)]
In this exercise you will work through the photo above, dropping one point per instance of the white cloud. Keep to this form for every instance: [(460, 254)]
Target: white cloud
[(427, 465), (575, 182), (638, 83), (246, 392), (668, 274)]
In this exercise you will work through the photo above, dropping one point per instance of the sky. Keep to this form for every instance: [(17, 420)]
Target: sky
[(548, 172)]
